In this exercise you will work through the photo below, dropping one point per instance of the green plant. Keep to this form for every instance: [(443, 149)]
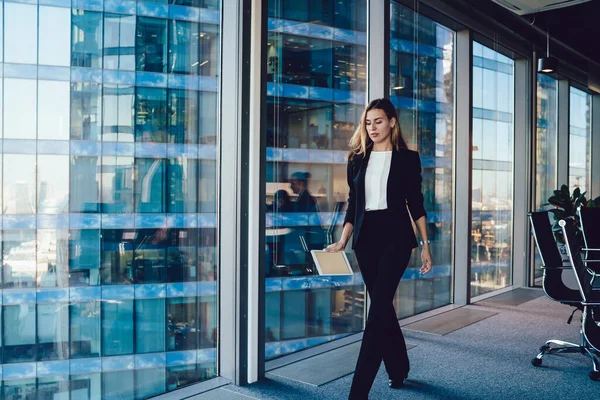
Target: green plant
[(566, 206)]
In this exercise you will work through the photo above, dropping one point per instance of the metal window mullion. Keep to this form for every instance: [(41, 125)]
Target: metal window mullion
[(463, 167), (563, 132), (378, 49)]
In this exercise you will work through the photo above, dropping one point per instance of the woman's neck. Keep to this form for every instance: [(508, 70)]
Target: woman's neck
[(387, 146)]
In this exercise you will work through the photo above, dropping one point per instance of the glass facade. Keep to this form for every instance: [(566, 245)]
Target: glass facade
[(580, 135), (492, 175), (422, 90), (109, 193), (316, 88)]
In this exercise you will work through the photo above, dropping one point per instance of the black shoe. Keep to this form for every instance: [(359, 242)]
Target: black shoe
[(396, 383)]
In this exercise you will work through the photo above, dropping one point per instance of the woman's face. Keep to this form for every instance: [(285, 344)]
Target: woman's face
[(379, 127)]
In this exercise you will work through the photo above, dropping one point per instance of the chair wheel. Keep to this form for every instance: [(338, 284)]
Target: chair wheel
[(536, 362), (594, 375)]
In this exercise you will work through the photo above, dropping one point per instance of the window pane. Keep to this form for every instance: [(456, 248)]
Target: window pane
[(52, 258), (151, 45), (86, 387), (85, 329), (208, 118), (182, 181), (117, 256), (207, 254), (119, 42), (149, 382), (19, 333), (85, 184), (118, 113), (149, 256), (182, 323), (19, 388), (151, 115), (55, 388), (580, 133), (150, 185), (86, 44), (149, 325), (86, 111), (55, 36), (117, 328), (117, 385), (20, 33), (53, 184), (207, 187), (20, 99), (183, 117), (183, 47), (182, 255), (117, 184), (19, 184), (18, 258), (84, 257), (53, 331)]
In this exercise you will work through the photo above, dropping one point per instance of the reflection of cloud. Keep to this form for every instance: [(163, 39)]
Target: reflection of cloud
[(150, 360)]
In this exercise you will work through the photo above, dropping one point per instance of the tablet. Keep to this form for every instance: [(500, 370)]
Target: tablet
[(331, 262)]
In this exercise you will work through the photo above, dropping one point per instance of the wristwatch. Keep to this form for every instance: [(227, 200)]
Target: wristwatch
[(423, 242)]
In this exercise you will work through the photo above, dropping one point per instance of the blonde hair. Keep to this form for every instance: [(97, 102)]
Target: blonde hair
[(360, 141)]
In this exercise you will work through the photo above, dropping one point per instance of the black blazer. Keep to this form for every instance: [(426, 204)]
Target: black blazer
[(403, 188)]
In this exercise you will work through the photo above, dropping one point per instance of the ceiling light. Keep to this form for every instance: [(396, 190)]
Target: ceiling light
[(547, 64)]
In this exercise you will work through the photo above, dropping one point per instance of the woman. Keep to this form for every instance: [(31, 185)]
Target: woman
[(385, 184)]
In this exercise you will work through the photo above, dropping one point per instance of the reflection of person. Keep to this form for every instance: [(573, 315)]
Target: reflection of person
[(281, 202), (305, 202), (384, 177)]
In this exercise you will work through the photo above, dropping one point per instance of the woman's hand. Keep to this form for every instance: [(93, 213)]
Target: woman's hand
[(339, 246), (426, 260)]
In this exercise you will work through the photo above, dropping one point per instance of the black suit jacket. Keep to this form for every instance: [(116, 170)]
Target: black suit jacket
[(403, 188)]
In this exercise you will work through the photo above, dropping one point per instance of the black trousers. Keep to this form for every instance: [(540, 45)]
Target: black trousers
[(382, 258)]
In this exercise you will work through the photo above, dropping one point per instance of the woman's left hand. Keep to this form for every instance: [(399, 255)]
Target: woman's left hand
[(426, 260)]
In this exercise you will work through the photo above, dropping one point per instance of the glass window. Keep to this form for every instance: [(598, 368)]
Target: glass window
[(55, 36), (86, 111), (19, 389), (117, 328), (150, 185), (209, 50), (149, 325), (117, 256), (20, 33), (207, 254), (18, 258), (117, 184), (119, 114), (182, 323), (491, 230), (182, 255), (55, 387), (117, 385), (52, 258), (580, 133), (207, 322), (181, 375), (183, 116), (53, 331), (84, 257), (149, 256), (149, 382), (183, 47), (19, 184), (86, 386), (119, 41), (19, 333), (208, 118), (85, 184), (350, 65), (84, 328), (151, 45), (182, 181), (86, 43), (20, 117), (207, 186), (151, 115), (53, 184)]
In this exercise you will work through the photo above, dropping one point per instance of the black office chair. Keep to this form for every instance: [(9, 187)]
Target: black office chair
[(552, 282), (590, 331), (589, 218)]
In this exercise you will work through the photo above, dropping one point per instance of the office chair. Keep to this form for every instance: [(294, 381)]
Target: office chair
[(590, 331), (552, 283), (589, 218)]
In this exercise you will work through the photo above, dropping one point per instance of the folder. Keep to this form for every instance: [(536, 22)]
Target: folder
[(331, 262)]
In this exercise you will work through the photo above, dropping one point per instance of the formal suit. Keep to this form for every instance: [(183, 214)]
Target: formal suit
[(383, 241)]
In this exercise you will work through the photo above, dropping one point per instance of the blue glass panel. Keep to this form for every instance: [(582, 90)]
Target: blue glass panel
[(86, 366), (86, 148), (150, 325), (151, 79), (51, 368), (18, 296), (88, 4), (118, 363), (118, 292), (295, 91), (274, 89), (118, 149), (85, 180), (150, 191), (295, 155), (120, 6), (150, 221), (184, 13), (150, 360), (16, 146), (207, 288), (177, 150), (189, 82), (151, 45), (210, 16), (117, 191), (207, 152), (151, 119), (320, 156), (181, 358), (54, 73), (53, 147), (207, 355), (206, 220), (19, 339), (151, 150), (85, 332), (118, 221), (52, 295), (348, 36), (117, 385), (117, 328), (182, 289), (152, 9), (84, 293), (190, 220), (86, 75), (52, 331), (18, 371), (56, 3), (84, 221), (182, 183), (119, 77), (150, 291), (208, 84), (150, 382), (323, 94)]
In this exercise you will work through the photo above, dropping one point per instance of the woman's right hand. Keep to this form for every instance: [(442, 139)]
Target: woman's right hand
[(339, 246)]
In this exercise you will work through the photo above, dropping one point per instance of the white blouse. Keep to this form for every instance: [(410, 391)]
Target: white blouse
[(376, 177)]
